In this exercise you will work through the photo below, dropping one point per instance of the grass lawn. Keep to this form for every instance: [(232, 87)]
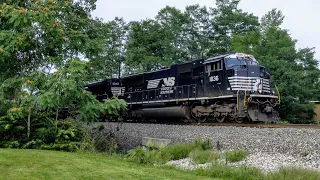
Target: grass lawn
[(34, 164)]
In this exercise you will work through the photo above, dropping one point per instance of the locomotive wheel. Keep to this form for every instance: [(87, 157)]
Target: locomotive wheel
[(211, 118), (202, 119), (239, 120), (221, 119)]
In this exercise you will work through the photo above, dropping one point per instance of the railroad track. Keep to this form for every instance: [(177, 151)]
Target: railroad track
[(301, 126), (252, 125)]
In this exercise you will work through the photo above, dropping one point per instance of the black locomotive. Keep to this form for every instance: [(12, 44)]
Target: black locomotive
[(230, 87)]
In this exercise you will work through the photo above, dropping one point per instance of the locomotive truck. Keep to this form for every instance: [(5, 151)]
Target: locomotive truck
[(230, 87)]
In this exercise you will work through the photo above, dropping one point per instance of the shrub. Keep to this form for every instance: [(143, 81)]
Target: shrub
[(33, 144), (203, 156), (105, 138), (236, 155), (293, 173)]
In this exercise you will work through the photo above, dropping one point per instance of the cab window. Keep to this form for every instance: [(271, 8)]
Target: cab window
[(235, 62), (214, 66)]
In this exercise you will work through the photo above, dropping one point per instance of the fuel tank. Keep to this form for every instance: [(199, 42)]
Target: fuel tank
[(169, 113)]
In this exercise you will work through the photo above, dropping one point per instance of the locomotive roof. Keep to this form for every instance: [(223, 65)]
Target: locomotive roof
[(213, 59), (100, 82), (205, 61), (163, 69)]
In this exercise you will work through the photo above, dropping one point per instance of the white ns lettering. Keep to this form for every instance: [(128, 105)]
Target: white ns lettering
[(169, 81)]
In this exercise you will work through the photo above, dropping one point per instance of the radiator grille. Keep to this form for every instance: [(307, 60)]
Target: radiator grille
[(249, 84), (118, 91)]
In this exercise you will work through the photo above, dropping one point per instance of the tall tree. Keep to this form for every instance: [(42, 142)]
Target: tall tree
[(294, 71), (109, 62), (145, 51), (41, 34), (173, 25), (200, 32), (230, 21)]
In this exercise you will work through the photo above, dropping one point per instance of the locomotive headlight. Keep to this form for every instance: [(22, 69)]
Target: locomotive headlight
[(260, 91)]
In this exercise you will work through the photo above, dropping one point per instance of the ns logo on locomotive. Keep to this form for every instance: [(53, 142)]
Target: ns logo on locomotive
[(230, 87)]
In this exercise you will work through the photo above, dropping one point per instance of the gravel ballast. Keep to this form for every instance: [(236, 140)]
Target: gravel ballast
[(269, 148)]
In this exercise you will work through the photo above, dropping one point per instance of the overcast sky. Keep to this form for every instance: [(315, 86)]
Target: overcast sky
[(301, 16)]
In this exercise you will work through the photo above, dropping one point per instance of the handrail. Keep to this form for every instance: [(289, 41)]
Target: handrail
[(159, 89), (245, 98), (144, 92), (279, 98), (237, 100)]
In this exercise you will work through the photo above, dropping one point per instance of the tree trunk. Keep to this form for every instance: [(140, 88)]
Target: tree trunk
[(119, 70), (57, 115), (29, 123)]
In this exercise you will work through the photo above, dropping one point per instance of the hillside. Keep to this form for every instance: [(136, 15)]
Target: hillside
[(34, 164)]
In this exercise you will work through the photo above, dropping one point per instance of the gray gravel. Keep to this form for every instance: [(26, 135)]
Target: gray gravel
[(264, 161), (267, 147)]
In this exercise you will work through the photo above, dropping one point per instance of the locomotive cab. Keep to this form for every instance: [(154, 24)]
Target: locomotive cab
[(242, 77)]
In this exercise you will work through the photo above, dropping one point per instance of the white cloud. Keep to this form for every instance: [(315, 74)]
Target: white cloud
[(301, 16)]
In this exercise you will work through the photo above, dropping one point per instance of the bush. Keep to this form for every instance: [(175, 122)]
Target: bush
[(293, 173), (295, 112), (236, 155), (105, 138), (203, 156), (33, 144), (231, 173)]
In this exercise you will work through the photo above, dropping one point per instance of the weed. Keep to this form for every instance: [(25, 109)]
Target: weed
[(171, 152), (160, 156), (204, 145), (179, 151), (203, 156), (138, 155), (282, 122), (236, 155), (233, 173), (305, 154), (293, 173)]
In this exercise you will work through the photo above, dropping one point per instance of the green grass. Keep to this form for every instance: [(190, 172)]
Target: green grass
[(236, 155), (35, 164)]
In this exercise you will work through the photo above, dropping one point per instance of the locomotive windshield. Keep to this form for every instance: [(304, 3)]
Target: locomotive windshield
[(232, 62)]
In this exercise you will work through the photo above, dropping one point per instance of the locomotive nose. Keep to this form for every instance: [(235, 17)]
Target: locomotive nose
[(257, 71)]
